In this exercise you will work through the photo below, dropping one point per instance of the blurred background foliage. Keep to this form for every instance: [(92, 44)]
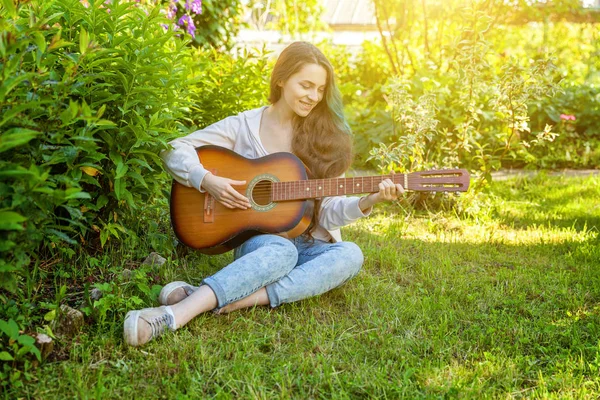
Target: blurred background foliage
[(91, 92)]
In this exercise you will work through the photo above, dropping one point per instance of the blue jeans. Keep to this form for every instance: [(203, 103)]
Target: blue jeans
[(290, 269)]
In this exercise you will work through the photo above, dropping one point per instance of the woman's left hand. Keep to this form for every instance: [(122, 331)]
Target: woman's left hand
[(388, 191)]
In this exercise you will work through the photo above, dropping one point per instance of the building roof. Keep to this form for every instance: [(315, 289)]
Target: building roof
[(348, 14)]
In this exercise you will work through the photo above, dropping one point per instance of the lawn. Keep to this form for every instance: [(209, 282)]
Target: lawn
[(504, 303)]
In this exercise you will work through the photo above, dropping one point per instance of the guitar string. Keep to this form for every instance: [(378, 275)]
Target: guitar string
[(299, 183), (410, 180)]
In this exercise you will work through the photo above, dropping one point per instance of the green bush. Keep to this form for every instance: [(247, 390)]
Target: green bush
[(88, 99), (551, 68), (223, 84)]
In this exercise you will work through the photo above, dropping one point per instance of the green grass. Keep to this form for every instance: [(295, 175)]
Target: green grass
[(505, 304)]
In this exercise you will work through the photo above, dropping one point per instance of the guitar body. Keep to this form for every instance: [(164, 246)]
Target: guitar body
[(201, 222)]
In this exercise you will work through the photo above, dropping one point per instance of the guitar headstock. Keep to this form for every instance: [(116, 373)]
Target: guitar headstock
[(439, 180)]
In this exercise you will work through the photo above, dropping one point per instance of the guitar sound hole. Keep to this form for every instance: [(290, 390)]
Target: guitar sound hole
[(261, 193)]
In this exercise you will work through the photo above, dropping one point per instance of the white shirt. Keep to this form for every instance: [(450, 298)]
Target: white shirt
[(240, 133)]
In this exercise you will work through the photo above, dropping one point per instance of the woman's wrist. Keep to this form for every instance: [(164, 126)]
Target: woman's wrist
[(206, 180), (366, 202)]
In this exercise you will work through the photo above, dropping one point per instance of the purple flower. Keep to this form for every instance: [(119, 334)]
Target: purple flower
[(187, 21), (196, 6), (184, 18), (191, 29), (171, 11)]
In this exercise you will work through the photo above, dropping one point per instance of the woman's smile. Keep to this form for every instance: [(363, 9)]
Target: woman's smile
[(307, 105)]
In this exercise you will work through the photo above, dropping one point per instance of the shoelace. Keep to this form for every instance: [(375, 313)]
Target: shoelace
[(160, 323)]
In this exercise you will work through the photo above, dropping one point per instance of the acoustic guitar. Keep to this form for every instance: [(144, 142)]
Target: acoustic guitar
[(281, 195)]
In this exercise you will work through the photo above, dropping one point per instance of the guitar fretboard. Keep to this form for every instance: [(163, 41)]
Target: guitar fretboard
[(314, 188)]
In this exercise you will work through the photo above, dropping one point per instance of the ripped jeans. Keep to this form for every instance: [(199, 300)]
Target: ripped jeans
[(290, 269)]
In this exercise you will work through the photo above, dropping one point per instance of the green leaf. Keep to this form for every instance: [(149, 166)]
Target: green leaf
[(101, 202), (121, 170), (9, 6), (61, 235), (138, 178), (12, 82), (120, 188), (11, 113), (26, 340), (10, 328), (22, 351), (58, 44), (116, 157), (36, 352), (100, 112), (50, 316), (40, 41), (75, 193), (11, 221), (84, 41), (16, 137), (16, 173), (6, 268), (104, 236), (5, 356), (6, 245), (104, 123)]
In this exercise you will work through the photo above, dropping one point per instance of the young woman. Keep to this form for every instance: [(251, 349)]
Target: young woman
[(305, 118)]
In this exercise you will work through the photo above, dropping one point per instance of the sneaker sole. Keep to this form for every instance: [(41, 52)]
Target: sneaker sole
[(130, 327)]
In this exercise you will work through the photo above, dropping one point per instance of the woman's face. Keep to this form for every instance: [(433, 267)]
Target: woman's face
[(304, 90)]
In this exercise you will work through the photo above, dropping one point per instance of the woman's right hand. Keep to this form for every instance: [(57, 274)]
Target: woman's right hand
[(222, 190)]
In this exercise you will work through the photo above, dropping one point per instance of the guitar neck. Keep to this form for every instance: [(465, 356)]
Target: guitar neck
[(438, 180)]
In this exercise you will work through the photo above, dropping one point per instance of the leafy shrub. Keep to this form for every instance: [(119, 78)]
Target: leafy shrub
[(14, 349), (88, 99), (223, 84), (465, 76)]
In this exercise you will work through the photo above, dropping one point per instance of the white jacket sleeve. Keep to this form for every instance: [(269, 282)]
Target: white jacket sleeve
[(182, 160), (338, 211)]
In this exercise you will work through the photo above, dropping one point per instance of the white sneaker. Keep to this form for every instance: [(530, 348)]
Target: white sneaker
[(174, 292), (141, 326)]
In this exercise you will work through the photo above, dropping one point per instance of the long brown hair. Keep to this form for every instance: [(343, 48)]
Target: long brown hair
[(321, 139)]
